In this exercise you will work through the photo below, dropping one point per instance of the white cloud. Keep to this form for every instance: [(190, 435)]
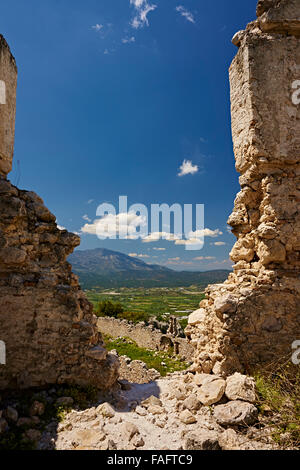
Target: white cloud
[(110, 226), (128, 40), (204, 258), (186, 14), (187, 168), (60, 227), (142, 9), (159, 249), (97, 27), (196, 238), (155, 236), (136, 255), (219, 243), (205, 233), (86, 217), (90, 201)]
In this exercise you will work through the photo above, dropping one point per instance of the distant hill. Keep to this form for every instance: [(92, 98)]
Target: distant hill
[(106, 268)]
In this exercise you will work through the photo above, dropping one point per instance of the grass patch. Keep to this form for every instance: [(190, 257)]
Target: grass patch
[(163, 362), (279, 391)]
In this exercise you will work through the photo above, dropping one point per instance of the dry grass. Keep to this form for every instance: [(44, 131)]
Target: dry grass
[(278, 386)]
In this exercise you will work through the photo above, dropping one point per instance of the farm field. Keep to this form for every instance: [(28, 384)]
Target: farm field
[(155, 302)]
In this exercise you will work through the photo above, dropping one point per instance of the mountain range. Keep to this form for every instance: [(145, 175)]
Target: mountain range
[(106, 268)]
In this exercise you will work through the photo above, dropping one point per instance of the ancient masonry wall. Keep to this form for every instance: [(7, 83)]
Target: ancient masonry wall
[(8, 87), (145, 336), (254, 317), (46, 322)]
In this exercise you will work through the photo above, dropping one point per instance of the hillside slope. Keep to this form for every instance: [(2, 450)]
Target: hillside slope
[(106, 268)]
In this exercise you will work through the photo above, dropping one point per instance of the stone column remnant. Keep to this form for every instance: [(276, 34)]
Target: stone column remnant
[(254, 317), (8, 86), (46, 323)]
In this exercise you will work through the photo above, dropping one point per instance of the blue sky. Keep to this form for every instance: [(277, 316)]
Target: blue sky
[(113, 96)]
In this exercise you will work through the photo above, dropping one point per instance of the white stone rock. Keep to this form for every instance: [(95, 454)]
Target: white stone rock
[(240, 387), (187, 417), (212, 390), (197, 317), (106, 410), (236, 413)]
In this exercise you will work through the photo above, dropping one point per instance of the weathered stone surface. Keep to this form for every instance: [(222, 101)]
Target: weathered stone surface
[(106, 410), (55, 337), (192, 403), (212, 390), (197, 317), (130, 430), (236, 413), (279, 16), (187, 417), (240, 387), (8, 86), (202, 440), (252, 318), (155, 410), (151, 401)]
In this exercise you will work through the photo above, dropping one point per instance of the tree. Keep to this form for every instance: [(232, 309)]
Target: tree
[(106, 308)]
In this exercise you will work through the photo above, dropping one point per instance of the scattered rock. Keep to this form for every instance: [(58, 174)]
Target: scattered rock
[(130, 430), (192, 403), (156, 410), (236, 413), (106, 410), (240, 387), (187, 417), (37, 409), (140, 411), (212, 390), (199, 379), (137, 441), (111, 445), (151, 401), (202, 440)]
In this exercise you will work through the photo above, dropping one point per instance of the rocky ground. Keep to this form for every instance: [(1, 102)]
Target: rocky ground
[(183, 411)]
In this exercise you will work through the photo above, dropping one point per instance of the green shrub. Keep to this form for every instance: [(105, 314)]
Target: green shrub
[(106, 308)]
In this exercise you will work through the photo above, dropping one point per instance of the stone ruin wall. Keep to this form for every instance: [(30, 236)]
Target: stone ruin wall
[(46, 322), (145, 336), (254, 317), (8, 88)]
